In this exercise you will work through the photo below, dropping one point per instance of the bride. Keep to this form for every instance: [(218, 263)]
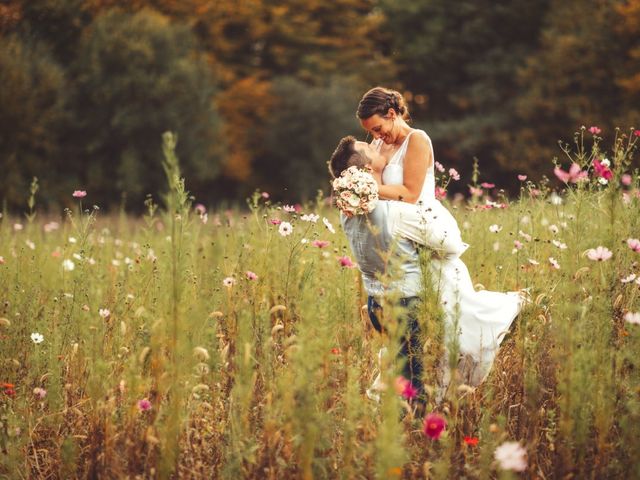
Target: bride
[(476, 320)]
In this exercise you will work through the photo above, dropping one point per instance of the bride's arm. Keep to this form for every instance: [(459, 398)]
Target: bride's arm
[(416, 161)]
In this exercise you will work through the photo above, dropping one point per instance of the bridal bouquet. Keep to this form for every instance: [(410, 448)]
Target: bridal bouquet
[(356, 191)]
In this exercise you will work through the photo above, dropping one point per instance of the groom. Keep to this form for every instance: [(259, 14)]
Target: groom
[(371, 241)]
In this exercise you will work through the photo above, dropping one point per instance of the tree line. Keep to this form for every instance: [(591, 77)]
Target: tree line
[(259, 92)]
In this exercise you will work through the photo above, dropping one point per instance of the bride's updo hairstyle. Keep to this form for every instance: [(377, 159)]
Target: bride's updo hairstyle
[(379, 100)]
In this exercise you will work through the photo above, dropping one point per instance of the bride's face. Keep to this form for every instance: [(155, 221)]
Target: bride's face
[(369, 152), (381, 127)]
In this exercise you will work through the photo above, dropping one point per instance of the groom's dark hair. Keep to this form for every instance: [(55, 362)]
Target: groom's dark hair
[(345, 156)]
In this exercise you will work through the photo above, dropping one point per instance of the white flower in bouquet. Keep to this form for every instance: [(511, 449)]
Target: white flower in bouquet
[(356, 191)]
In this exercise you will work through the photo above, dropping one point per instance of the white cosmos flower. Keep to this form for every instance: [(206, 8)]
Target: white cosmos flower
[(327, 224), (68, 265), (495, 228), (37, 337), (104, 312), (285, 229), (633, 318)]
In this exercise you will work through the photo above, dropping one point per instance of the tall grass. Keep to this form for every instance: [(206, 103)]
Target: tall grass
[(200, 370)]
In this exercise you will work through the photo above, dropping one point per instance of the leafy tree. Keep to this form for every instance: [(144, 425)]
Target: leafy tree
[(459, 65), (303, 128), (568, 82), (138, 75), (33, 109)]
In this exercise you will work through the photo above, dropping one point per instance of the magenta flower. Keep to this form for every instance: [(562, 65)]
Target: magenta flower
[(275, 221), (79, 194), (522, 178), (346, 262), (441, 193), (594, 130), (434, 425), (626, 179), (634, 244), (320, 243), (511, 456), (251, 275), (409, 392), (636, 133), (574, 175), (405, 388), (602, 170), (144, 405), (487, 185), (599, 254)]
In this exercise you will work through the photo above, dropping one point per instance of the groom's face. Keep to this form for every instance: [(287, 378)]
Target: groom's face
[(374, 158)]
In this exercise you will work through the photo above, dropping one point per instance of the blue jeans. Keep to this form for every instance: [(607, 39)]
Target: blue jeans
[(410, 344)]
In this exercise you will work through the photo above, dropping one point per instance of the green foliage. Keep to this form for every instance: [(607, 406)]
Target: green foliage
[(303, 125), (138, 75), (33, 107)]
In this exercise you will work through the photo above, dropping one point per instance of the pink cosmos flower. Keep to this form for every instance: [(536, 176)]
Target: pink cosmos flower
[(574, 175), (439, 167), (599, 254), (633, 318), (594, 130), (487, 185), (1, 260), (522, 178), (534, 192), (289, 208), (626, 179), (453, 173), (346, 262), (634, 244), (517, 244), (200, 209), (251, 275), (320, 243), (275, 221), (511, 456), (265, 195), (602, 170), (554, 263), (405, 388), (144, 405), (39, 393), (79, 194), (434, 425), (441, 193), (476, 192)]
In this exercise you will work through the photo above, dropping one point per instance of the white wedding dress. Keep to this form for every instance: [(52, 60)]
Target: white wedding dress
[(478, 320)]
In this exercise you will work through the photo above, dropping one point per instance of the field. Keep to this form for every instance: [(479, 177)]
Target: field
[(194, 344)]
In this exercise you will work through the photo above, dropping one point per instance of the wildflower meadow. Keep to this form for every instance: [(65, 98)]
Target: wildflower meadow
[(200, 343)]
